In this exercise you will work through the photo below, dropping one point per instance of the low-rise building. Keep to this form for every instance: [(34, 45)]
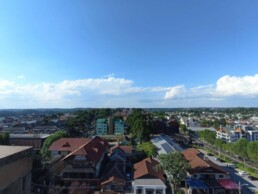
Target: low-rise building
[(147, 179), (15, 169), (205, 176), (34, 140), (64, 146), (165, 144), (84, 163), (226, 134)]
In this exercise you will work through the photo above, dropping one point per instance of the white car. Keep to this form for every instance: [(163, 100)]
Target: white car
[(231, 165), (242, 173)]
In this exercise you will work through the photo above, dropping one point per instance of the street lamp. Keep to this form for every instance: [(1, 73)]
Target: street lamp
[(240, 186)]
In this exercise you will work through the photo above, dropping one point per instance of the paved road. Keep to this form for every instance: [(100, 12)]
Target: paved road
[(237, 178)]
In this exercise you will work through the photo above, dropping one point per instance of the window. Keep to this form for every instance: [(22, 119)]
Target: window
[(221, 176)]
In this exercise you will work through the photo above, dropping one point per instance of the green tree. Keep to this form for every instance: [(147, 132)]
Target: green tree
[(176, 166), (50, 140), (139, 124), (4, 138), (252, 148), (148, 148), (208, 136), (183, 128), (240, 147)]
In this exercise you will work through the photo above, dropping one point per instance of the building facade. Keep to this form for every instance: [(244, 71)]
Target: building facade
[(15, 169), (119, 127), (110, 126), (101, 127)]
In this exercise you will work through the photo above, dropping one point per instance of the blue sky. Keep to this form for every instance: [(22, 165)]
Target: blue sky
[(145, 53)]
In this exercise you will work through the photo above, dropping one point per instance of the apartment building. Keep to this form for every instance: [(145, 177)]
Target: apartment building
[(109, 126)]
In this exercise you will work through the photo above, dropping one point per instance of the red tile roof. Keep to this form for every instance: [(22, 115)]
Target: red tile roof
[(126, 149), (68, 144), (146, 167), (113, 179), (93, 150), (197, 163)]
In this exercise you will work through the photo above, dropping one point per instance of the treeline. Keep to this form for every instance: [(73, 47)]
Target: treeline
[(216, 123), (242, 147), (85, 118)]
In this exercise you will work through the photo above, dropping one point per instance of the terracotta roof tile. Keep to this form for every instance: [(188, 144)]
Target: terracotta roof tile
[(147, 167), (126, 149), (93, 149), (68, 144), (197, 163)]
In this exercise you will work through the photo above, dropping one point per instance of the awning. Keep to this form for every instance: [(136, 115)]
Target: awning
[(228, 184), (213, 184), (196, 184)]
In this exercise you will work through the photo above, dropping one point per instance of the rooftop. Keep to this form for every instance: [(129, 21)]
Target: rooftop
[(147, 167), (152, 182), (11, 153), (32, 136)]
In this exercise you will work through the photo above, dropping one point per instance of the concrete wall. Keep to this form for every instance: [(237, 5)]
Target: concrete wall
[(16, 176)]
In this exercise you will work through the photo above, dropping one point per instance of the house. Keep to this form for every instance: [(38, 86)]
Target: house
[(64, 146), (15, 171), (205, 176), (226, 134), (114, 176), (202, 168), (128, 150), (239, 131), (147, 179), (165, 144), (251, 132), (118, 170), (85, 163)]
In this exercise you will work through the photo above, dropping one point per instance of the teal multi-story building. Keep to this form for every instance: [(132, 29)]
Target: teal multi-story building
[(101, 127), (119, 127)]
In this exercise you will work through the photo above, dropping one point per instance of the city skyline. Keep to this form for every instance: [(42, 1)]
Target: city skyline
[(63, 54)]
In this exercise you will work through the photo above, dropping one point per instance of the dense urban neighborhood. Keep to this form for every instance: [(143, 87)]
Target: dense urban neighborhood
[(141, 151)]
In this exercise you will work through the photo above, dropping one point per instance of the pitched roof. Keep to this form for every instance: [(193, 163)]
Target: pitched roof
[(68, 144), (197, 163), (93, 150), (147, 167), (114, 169), (126, 149), (113, 179), (118, 156)]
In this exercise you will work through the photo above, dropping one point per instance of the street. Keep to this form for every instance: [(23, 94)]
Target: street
[(245, 183)]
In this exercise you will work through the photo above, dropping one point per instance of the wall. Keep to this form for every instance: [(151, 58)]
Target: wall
[(16, 176)]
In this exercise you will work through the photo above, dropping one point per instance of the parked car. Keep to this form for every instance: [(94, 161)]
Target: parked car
[(231, 165), (253, 178), (242, 173), (210, 154)]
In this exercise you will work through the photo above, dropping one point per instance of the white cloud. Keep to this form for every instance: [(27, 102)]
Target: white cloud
[(233, 85), (114, 92), (174, 91), (68, 91)]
